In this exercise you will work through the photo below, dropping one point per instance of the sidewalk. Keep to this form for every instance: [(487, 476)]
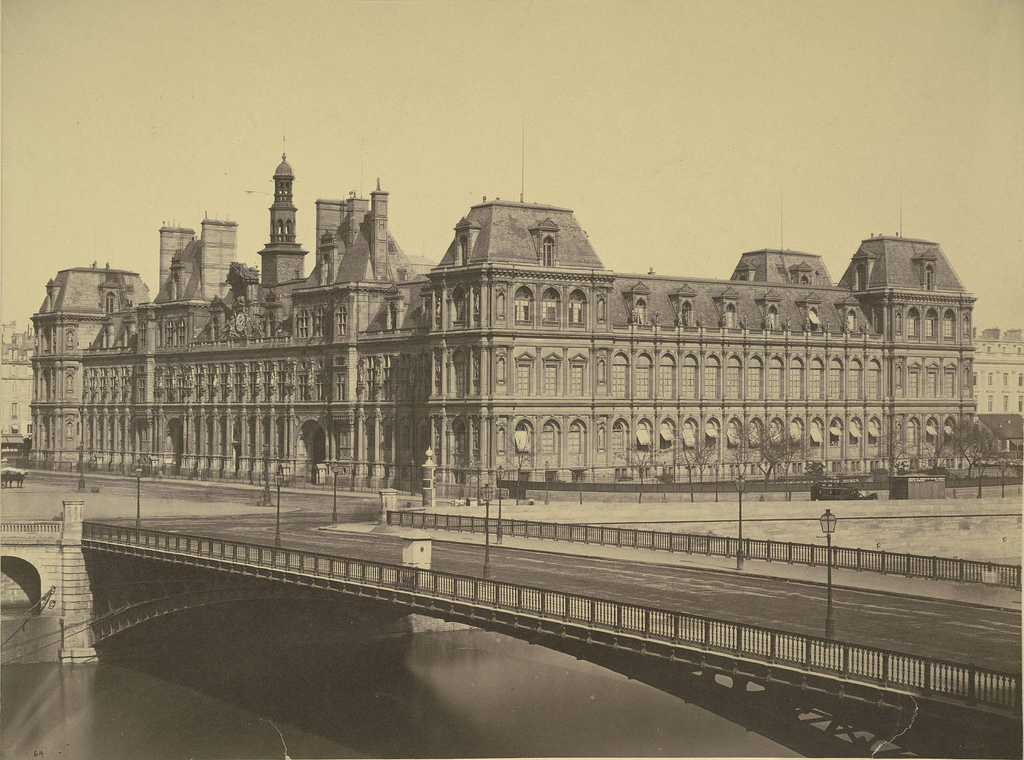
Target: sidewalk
[(966, 593)]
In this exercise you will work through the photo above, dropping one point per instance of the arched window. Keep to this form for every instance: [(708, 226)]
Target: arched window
[(688, 383), (929, 277), (796, 378), (796, 431), (463, 251), (523, 306), (771, 320), (912, 323), (775, 371), (552, 302), (732, 377), (620, 376), (949, 325), (689, 434), (640, 311), (835, 380), (460, 363), (755, 378), (817, 380), (523, 439), (667, 377), (856, 375), (851, 321), (686, 314), (549, 444), (817, 428), (874, 434), (733, 434), (931, 324), (601, 310), (458, 307), (577, 303), (620, 433), (813, 320), (643, 376), (712, 433), (712, 377), (899, 323), (730, 316), (913, 435), (288, 227), (577, 444), (855, 437), (109, 302), (666, 434), (862, 277), (549, 252), (644, 435), (874, 380)]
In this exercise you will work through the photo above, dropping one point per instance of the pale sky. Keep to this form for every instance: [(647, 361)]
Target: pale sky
[(677, 131)]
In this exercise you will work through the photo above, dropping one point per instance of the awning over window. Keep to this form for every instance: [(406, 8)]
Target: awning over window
[(813, 318), (947, 429), (522, 440), (873, 429), (710, 431), (666, 433), (795, 431), (854, 431), (930, 430), (835, 430), (816, 434), (643, 438), (688, 438), (733, 438)]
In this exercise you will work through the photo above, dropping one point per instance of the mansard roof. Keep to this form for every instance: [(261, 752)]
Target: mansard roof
[(505, 235), (775, 265), (191, 260), (749, 298), (81, 289), (897, 262)]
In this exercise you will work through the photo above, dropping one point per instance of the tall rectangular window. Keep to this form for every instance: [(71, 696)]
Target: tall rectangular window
[(796, 382), (523, 371), (814, 391), (666, 381), (775, 381), (619, 380), (14, 410), (835, 383), (732, 382), (550, 379), (711, 380), (688, 382), (643, 381), (854, 389), (576, 380)]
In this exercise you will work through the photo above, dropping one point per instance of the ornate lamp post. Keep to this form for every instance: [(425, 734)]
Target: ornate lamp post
[(500, 472), (138, 497), (486, 493), (81, 467), (279, 480), (741, 484), (547, 465), (335, 469), (265, 496), (828, 526)]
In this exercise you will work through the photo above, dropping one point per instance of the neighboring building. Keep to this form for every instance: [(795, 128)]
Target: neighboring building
[(1008, 429), (999, 371), (518, 345), (16, 389)]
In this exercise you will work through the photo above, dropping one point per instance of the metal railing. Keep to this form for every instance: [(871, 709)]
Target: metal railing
[(866, 665), (869, 560)]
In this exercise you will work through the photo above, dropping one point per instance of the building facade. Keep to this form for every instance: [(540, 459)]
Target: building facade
[(16, 388), (999, 371), (518, 350)]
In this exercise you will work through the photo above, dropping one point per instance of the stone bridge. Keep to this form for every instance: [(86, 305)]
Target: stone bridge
[(45, 585)]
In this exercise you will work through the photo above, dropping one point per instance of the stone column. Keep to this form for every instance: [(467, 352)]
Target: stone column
[(76, 593)]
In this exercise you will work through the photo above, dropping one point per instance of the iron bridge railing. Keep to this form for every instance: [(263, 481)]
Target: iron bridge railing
[(871, 560), (867, 665)]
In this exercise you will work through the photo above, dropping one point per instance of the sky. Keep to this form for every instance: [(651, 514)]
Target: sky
[(681, 133)]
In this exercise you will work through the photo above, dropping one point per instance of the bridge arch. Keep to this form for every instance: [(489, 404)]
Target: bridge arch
[(21, 584)]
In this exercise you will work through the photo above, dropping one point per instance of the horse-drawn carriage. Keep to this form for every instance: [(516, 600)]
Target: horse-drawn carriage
[(11, 476)]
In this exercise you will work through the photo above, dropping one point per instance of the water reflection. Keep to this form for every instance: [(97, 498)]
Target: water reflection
[(384, 690)]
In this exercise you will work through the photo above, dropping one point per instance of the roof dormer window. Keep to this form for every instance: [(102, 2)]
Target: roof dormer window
[(549, 251), (109, 303)]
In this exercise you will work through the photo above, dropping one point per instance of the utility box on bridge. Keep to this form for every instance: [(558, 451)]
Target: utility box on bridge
[(416, 550)]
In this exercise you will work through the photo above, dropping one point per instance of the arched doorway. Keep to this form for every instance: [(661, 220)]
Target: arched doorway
[(174, 445), (313, 447), (20, 587)]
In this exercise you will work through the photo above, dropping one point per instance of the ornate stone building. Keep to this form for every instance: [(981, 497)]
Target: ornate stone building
[(519, 349), (15, 388)]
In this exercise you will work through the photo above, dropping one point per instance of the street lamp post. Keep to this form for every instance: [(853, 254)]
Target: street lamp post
[(81, 467), (335, 466), (265, 499), (500, 471), (278, 479), (486, 493), (547, 465), (138, 497), (828, 526), (741, 483)]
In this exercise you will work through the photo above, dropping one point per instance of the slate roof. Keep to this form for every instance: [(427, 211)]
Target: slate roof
[(1005, 427), (505, 235), (79, 289), (773, 265), (352, 261), (191, 257), (894, 264), (830, 302)]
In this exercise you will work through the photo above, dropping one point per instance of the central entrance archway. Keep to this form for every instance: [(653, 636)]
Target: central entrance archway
[(175, 444), (313, 447)]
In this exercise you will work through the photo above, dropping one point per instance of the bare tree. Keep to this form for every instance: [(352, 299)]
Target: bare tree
[(694, 457), (976, 444), (641, 459), (519, 454), (772, 451)]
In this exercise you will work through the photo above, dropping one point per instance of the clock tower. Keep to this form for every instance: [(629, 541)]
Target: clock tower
[(282, 257)]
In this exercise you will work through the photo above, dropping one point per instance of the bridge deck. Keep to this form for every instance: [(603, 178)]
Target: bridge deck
[(667, 630)]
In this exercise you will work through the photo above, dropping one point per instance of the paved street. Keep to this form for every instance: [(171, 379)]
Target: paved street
[(944, 630)]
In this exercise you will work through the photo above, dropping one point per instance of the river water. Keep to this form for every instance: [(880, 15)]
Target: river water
[(406, 688)]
